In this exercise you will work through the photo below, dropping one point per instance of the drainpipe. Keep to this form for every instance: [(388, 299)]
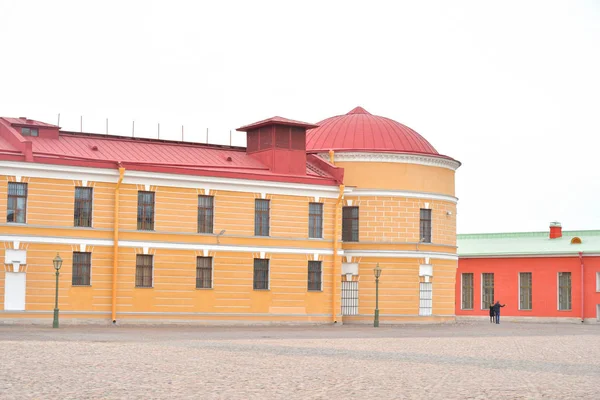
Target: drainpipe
[(582, 291), (335, 273), (116, 245)]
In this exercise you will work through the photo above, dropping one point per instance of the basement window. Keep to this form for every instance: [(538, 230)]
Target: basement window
[(29, 132)]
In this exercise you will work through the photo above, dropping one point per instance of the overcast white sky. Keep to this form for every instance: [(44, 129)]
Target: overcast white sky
[(510, 89)]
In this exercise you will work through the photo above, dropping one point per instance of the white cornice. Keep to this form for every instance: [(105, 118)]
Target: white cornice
[(419, 159), (53, 171), (400, 254), (401, 193)]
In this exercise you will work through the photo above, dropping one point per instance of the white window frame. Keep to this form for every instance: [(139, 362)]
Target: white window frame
[(558, 290), (462, 292), (597, 281), (519, 291)]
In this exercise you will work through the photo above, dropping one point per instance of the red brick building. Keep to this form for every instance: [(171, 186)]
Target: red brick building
[(547, 276)]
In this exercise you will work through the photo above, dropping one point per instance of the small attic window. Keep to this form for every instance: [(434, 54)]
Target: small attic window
[(576, 240), (29, 132)]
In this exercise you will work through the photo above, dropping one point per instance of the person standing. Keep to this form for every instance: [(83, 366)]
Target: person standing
[(496, 308), (491, 313)]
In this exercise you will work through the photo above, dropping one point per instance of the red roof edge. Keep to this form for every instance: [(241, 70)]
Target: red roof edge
[(15, 139), (276, 121), (336, 172)]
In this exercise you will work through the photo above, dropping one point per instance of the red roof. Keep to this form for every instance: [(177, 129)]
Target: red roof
[(27, 122), (359, 130), (105, 151), (278, 121)]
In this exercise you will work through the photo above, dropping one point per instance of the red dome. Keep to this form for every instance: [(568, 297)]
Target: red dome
[(361, 131)]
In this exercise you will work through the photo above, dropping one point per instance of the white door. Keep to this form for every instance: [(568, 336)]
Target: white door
[(14, 291)]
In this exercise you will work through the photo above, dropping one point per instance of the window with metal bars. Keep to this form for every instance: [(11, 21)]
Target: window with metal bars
[(425, 226), (314, 276), (204, 273), (143, 271), (564, 291), (261, 274), (425, 298), (17, 202), (350, 224), (261, 217), (467, 291), (82, 269), (315, 220), (487, 290), (83, 207), (525, 289), (282, 137), (145, 218), (205, 214)]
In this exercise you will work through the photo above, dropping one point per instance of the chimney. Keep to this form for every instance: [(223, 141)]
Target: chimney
[(555, 230)]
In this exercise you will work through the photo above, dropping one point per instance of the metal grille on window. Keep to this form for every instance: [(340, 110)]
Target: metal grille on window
[(467, 291), (261, 274), (143, 271), (314, 275), (315, 220), (82, 264), (83, 207), (525, 291), (425, 226), (282, 137), (203, 272), (261, 217), (349, 298), (205, 214), (266, 137), (350, 224), (145, 220), (17, 202), (425, 298), (564, 290), (487, 290), (298, 138)]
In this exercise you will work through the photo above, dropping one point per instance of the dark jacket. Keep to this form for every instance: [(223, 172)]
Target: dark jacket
[(497, 306), (492, 310)]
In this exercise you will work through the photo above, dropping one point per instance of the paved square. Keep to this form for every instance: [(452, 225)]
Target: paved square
[(462, 361)]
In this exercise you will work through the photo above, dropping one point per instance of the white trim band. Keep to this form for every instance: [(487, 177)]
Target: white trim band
[(400, 193), (132, 177), (430, 161), (400, 254)]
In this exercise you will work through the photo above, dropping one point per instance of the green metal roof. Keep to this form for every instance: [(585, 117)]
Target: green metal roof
[(527, 244)]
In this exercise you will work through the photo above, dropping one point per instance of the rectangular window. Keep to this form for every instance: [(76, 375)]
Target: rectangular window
[(425, 226), (487, 290), (203, 272), (350, 224), (261, 274), (314, 276), (315, 220), (205, 214), (29, 132), (17, 202), (145, 218), (425, 298), (143, 271), (467, 291), (597, 281), (525, 291), (83, 207), (564, 291), (261, 217), (82, 267)]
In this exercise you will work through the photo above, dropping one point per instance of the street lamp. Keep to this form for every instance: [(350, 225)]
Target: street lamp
[(377, 272), (57, 264)]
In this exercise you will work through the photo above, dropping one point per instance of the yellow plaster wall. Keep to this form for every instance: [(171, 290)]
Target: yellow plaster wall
[(398, 176), (397, 219)]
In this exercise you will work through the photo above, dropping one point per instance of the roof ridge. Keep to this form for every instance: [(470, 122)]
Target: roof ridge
[(516, 235)]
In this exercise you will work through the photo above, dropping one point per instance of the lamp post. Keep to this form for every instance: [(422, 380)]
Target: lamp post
[(57, 264), (377, 272)]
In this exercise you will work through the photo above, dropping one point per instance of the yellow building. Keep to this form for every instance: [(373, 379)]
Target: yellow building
[(287, 230)]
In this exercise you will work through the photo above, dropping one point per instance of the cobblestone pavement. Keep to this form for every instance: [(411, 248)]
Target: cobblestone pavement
[(462, 361)]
